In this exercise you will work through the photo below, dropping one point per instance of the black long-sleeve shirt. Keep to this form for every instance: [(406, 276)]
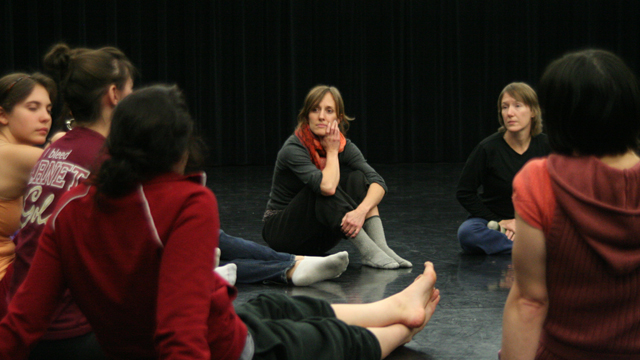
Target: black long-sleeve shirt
[(485, 185)]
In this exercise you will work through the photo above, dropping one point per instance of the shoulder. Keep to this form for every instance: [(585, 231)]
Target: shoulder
[(292, 140), (20, 155), (350, 144), (541, 138), (487, 145), (186, 185), (293, 151), (533, 171), (292, 144), (495, 138), (533, 196), (351, 147), (491, 142)]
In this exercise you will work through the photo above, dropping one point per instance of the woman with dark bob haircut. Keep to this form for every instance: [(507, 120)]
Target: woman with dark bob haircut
[(323, 190), (484, 188), (135, 246), (577, 251)]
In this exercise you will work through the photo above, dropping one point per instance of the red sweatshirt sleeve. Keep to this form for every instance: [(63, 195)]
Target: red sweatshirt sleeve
[(185, 281), (35, 302)]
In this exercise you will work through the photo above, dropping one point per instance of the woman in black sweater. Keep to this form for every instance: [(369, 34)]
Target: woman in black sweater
[(484, 188)]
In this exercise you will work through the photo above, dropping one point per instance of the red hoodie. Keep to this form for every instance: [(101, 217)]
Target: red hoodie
[(589, 213), (139, 268)]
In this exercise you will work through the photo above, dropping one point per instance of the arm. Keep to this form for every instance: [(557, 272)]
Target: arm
[(16, 165), (331, 171), (33, 306), (185, 282), (470, 181), (527, 304), (352, 221)]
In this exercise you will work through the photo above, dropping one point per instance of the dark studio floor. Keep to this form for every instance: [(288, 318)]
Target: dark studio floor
[(421, 217)]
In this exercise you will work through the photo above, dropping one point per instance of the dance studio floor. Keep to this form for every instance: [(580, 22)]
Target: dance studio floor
[(421, 216)]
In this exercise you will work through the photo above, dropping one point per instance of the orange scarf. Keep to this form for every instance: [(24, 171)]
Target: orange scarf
[(312, 143)]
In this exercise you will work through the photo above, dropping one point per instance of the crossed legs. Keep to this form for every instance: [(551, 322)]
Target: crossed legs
[(303, 327)]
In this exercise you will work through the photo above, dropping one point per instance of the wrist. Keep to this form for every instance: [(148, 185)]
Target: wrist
[(363, 209)]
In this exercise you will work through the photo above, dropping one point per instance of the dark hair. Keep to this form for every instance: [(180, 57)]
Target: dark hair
[(16, 87), (524, 93), (315, 96), (151, 131), (591, 104), (84, 75)]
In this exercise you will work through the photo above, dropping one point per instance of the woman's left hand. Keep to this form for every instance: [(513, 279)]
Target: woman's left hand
[(352, 222)]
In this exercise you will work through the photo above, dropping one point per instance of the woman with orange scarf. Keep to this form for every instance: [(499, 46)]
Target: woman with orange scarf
[(323, 189)]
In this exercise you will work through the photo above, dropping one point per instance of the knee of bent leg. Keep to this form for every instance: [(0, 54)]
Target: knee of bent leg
[(467, 237)]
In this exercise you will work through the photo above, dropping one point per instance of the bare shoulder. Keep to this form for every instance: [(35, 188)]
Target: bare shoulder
[(19, 155), (16, 163)]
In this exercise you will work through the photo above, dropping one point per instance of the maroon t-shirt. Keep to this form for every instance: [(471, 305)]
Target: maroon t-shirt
[(62, 166)]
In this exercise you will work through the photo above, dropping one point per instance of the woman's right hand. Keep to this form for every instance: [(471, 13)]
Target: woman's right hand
[(331, 141), (510, 227)]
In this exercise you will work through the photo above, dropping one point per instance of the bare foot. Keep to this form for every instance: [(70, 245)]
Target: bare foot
[(429, 310), (418, 301)]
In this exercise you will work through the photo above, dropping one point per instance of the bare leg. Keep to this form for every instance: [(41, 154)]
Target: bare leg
[(393, 336), (408, 307)]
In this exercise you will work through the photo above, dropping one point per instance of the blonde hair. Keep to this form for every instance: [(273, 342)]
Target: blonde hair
[(525, 94), (314, 97)]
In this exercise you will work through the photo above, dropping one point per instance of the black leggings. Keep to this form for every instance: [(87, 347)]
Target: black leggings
[(82, 347), (300, 327), (311, 223)]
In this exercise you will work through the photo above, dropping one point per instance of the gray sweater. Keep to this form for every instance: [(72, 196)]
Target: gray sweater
[(294, 170)]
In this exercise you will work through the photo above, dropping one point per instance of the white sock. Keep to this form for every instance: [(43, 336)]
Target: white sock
[(228, 272), (371, 254), (373, 227), (312, 269)]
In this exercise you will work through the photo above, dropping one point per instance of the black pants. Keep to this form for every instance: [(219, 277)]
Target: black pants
[(310, 224), (300, 327), (84, 347)]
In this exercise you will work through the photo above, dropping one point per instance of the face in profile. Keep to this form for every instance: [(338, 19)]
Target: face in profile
[(516, 115), (322, 115), (30, 120)]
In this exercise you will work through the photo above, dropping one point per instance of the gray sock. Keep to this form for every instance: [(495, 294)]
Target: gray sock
[(373, 227), (371, 254)]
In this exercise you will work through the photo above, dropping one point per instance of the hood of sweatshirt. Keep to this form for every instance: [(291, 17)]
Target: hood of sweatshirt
[(604, 204)]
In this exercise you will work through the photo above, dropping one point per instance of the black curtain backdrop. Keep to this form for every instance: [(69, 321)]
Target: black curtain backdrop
[(420, 77)]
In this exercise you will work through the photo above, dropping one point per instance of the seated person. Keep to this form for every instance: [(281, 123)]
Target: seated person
[(576, 293), (492, 165), (25, 119), (323, 189), (134, 248), (247, 262)]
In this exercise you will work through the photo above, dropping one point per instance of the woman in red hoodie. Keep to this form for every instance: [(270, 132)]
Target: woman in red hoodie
[(134, 247), (577, 250)]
